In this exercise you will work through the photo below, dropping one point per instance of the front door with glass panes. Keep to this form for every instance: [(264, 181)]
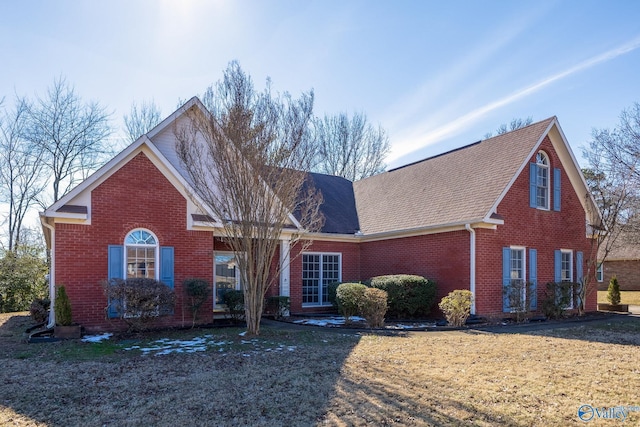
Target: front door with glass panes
[(226, 276)]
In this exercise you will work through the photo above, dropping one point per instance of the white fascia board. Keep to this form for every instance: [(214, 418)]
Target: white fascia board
[(175, 115), (574, 173), (100, 175), (432, 229)]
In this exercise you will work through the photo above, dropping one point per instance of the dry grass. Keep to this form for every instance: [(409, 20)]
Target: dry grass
[(326, 378), (626, 297)]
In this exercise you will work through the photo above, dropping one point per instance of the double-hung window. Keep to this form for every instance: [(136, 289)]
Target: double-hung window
[(318, 271), (542, 181)]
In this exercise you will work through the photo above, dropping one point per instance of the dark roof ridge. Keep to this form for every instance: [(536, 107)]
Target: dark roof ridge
[(469, 145)]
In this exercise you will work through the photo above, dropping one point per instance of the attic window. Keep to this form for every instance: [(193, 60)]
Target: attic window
[(542, 180)]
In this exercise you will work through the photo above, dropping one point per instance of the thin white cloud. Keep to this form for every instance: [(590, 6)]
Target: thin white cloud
[(461, 123)]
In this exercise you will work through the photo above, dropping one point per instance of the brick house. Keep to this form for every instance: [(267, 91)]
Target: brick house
[(623, 261), (512, 207)]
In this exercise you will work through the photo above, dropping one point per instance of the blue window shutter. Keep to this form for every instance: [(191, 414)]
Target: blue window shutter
[(115, 271), (506, 278), (557, 266), (579, 260), (556, 189), (533, 185), (533, 278), (166, 265)]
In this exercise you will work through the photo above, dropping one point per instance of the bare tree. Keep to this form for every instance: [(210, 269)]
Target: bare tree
[(141, 120), (244, 158), (73, 135), (614, 181), (515, 124), (350, 148), (22, 179)]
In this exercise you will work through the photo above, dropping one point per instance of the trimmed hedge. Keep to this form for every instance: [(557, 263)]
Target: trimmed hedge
[(348, 297), (373, 307), (457, 307), (408, 295)]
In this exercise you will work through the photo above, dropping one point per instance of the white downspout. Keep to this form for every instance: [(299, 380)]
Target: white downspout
[(472, 265), (52, 274)]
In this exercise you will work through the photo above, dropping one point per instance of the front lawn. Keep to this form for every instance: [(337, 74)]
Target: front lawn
[(626, 297), (307, 377)]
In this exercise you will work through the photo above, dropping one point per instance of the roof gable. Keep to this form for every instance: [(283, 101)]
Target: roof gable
[(462, 186)]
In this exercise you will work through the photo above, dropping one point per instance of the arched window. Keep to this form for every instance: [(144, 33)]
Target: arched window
[(542, 180), (141, 254)]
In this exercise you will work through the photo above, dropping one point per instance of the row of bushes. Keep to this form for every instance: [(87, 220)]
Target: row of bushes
[(408, 296)]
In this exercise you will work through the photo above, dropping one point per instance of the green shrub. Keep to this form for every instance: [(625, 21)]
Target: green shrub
[(557, 298), (332, 288), (22, 278), (278, 306), (373, 306), (234, 300), (456, 307), (408, 295), (62, 307), (139, 301), (348, 297), (613, 293), (197, 292), (39, 310)]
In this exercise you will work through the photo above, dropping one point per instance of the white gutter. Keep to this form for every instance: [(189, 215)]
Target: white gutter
[(52, 269), (472, 266)]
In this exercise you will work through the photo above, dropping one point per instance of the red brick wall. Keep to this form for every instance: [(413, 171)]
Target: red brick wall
[(137, 195), (443, 257), (543, 230)]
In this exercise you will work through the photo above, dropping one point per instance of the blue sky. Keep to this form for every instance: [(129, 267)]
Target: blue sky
[(435, 74)]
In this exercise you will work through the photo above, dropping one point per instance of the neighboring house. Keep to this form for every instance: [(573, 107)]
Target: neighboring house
[(510, 208), (623, 261)]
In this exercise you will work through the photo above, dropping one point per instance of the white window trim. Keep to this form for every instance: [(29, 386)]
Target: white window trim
[(156, 269), (320, 303), (215, 279), (600, 272), (523, 249), (571, 263), (547, 167), (571, 275)]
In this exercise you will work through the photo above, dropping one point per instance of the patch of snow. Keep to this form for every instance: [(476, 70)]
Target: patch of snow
[(243, 333), (96, 338), (339, 321)]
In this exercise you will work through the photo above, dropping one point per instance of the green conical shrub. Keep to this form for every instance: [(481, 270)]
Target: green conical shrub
[(613, 293), (62, 307)]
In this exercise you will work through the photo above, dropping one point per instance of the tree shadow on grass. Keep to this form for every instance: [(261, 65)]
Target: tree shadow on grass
[(401, 401), (280, 378)]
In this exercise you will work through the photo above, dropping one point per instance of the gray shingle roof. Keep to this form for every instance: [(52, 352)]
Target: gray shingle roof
[(459, 186), (339, 205)]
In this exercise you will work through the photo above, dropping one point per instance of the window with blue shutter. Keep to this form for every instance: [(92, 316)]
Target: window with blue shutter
[(539, 182), (556, 189), (115, 271), (533, 278)]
